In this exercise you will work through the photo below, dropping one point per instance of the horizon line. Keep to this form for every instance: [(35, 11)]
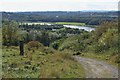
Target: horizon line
[(64, 11)]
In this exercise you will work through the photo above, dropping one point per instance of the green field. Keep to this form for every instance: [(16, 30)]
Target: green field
[(71, 23)]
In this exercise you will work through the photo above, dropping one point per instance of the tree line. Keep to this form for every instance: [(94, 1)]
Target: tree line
[(89, 18), (13, 33)]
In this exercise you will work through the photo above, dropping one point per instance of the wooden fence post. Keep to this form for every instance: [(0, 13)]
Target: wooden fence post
[(21, 48)]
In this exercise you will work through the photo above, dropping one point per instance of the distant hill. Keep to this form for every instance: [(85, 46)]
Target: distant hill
[(90, 18)]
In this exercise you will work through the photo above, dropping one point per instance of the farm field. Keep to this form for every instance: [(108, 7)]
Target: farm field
[(71, 23)]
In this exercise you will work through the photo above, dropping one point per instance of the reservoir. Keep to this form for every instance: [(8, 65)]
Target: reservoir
[(80, 27)]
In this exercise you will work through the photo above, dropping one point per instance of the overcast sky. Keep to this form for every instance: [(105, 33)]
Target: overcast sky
[(57, 5)]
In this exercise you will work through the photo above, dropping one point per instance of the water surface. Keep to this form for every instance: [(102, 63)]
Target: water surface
[(80, 27)]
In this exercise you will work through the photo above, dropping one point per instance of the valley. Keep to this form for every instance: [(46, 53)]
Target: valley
[(55, 45)]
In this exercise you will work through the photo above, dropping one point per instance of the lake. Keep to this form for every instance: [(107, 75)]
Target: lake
[(80, 27)]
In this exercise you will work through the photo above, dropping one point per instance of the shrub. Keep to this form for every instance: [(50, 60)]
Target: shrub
[(34, 44), (10, 33)]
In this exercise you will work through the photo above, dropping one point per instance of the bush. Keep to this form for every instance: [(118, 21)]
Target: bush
[(34, 44), (10, 33), (55, 45)]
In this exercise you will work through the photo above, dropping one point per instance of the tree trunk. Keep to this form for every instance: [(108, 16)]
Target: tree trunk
[(21, 48)]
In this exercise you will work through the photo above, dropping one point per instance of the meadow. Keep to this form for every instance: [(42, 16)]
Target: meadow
[(39, 64)]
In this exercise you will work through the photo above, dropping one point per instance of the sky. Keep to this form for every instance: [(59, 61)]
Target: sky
[(57, 5)]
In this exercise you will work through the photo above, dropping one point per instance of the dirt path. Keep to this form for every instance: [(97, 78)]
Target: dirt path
[(97, 69)]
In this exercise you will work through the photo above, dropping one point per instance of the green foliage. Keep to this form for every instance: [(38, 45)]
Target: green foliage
[(69, 43), (45, 38), (75, 42), (101, 41), (103, 28), (106, 37), (56, 44), (10, 33)]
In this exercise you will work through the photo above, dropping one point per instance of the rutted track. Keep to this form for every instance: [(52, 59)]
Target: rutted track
[(97, 69)]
